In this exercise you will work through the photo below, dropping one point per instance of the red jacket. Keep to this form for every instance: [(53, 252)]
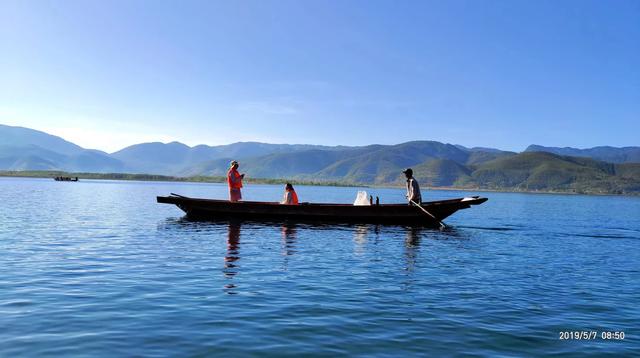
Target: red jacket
[(234, 179), (290, 198)]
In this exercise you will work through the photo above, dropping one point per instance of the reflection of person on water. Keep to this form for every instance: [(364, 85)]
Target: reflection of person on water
[(288, 237), (412, 246), (233, 242), (413, 189), (234, 179), (290, 196)]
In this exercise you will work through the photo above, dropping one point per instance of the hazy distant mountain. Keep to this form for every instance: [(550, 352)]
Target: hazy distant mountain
[(368, 164), (607, 154), (24, 137), (242, 150), (28, 149), (281, 165), (155, 158), (434, 163), (29, 157), (438, 164), (479, 149), (383, 164), (478, 157), (176, 158)]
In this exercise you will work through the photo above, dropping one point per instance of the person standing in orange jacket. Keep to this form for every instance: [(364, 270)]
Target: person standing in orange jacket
[(234, 179)]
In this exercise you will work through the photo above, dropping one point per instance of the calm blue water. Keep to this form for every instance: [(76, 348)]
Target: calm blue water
[(97, 268)]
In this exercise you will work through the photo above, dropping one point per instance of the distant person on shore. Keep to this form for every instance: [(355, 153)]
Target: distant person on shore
[(290, 196), (413, 189), (234, 179)]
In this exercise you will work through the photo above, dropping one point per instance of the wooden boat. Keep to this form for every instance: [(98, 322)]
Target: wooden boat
[(65, 179), (210, 209)]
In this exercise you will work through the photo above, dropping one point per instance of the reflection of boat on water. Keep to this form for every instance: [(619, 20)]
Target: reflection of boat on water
[(65, 179), (289, 246), (210, 209)]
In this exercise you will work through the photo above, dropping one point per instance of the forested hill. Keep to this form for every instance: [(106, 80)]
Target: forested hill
[(594, 170)]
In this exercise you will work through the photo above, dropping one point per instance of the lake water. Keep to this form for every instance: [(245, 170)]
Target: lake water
[(98, 268)]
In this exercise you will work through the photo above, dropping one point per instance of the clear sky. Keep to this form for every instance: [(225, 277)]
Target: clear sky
[(503, 73)]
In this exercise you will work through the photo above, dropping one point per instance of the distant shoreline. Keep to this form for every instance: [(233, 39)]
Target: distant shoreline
[(167, 178), (520, 191), (221, 179)]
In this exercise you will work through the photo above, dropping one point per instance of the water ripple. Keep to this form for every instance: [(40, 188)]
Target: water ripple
[(116, 274)]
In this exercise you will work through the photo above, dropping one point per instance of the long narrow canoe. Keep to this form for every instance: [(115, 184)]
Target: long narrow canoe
[(209, 209)]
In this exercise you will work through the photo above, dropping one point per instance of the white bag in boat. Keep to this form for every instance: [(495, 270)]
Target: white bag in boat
[(362, 199)]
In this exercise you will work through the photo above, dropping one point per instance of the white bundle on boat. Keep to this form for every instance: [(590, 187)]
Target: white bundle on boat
[(362, 199)]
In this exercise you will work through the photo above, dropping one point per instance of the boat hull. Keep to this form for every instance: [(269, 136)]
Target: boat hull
[(209, 209)]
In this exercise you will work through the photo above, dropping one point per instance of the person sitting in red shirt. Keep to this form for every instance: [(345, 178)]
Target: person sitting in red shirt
[(290, 196)]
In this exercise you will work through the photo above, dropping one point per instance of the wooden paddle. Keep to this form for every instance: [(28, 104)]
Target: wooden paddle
[(442, 225)]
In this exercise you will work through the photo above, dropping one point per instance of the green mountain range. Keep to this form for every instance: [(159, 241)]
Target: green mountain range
[(606, 154), (596, 170)]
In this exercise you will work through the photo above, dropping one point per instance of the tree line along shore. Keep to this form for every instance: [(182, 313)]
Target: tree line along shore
[(222, 179), (169, 178)]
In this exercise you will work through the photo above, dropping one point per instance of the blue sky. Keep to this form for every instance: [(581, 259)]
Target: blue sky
[(505, 74)]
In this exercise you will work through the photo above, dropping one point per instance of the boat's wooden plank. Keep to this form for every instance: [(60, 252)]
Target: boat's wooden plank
[(394, 213)]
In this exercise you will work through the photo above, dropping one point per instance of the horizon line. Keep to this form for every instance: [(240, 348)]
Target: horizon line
[(318, 145)]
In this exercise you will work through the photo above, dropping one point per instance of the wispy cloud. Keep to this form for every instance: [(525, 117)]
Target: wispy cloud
[(267, 107), (283, 86)]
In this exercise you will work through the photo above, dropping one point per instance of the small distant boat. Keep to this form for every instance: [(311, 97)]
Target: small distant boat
[(210, 209), (65, 179)]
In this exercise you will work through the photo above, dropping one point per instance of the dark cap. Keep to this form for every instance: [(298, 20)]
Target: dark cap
[(408, 171)]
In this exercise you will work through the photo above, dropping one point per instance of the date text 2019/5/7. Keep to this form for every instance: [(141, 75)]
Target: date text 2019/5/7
[(590, 335)]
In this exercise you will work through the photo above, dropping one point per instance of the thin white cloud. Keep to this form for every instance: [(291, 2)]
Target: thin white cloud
[(282, 86), (267, 107)]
